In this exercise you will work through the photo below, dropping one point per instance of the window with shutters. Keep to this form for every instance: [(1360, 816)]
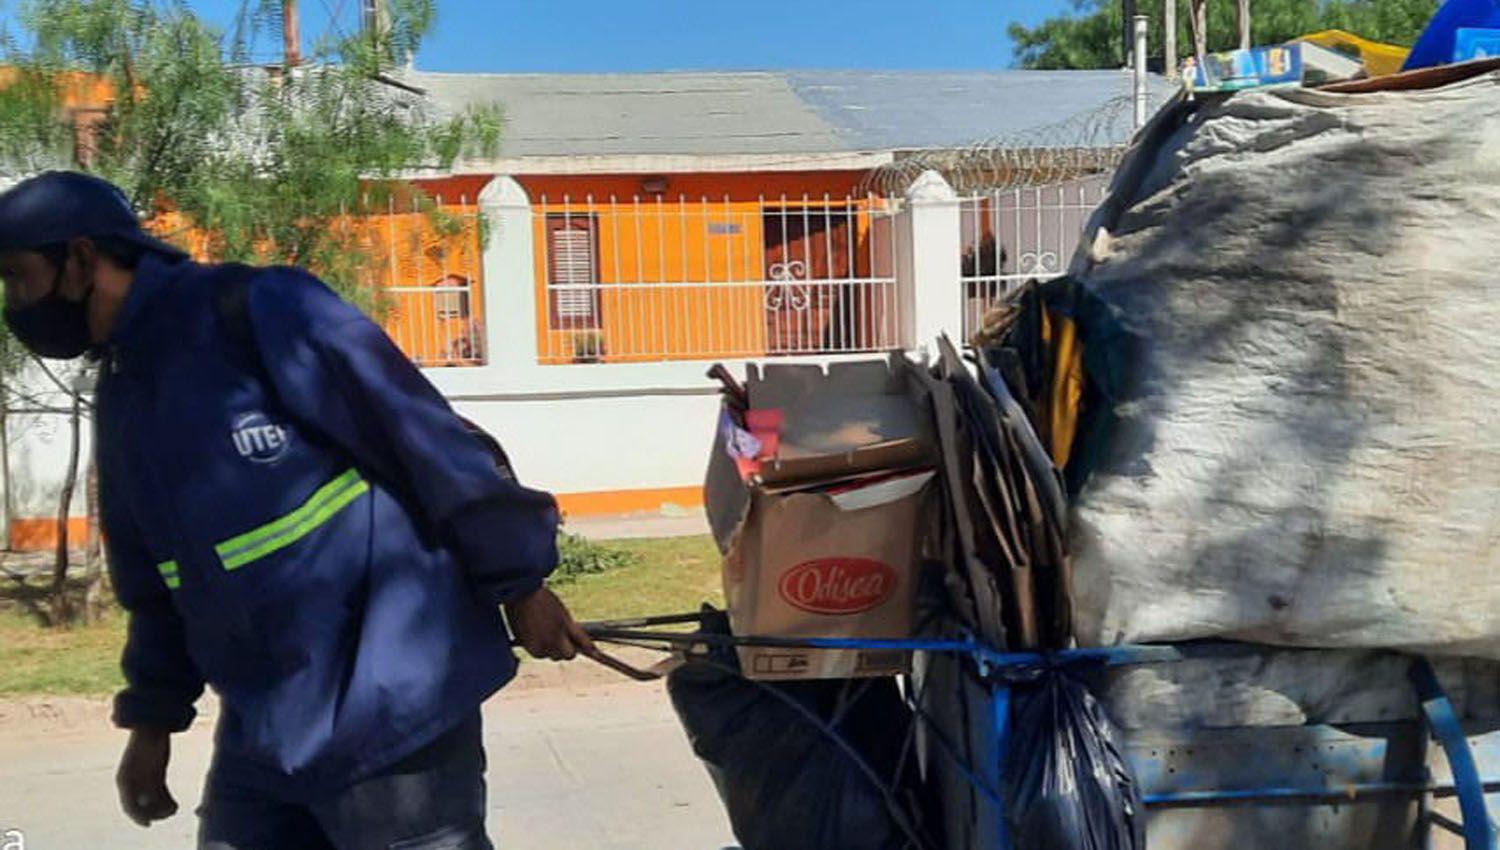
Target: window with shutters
[(573, 272)]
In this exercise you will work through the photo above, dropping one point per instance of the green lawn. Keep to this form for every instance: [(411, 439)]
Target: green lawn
[(81, 660), (669, 577)]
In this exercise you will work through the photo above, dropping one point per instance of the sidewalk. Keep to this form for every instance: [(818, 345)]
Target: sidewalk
[(635, 526)]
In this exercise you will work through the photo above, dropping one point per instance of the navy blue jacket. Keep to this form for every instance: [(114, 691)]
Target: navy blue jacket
[(305, 526)]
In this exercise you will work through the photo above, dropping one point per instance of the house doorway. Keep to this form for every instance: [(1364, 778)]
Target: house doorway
[(808, 265)]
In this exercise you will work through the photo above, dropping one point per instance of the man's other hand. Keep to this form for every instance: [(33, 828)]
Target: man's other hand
[(543, 626), (142, 777)]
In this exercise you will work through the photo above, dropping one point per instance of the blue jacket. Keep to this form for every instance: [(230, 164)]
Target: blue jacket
[(305, 526)]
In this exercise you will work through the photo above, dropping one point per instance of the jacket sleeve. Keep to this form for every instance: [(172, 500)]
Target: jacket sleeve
[(161, 681), (337, 372)]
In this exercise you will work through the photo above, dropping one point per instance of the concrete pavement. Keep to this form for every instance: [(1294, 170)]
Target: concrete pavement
[(576, 762), (636, 526)]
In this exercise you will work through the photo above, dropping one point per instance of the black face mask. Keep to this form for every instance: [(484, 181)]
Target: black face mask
[(52, 326)]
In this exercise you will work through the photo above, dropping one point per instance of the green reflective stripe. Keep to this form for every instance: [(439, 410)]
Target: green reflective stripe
[(168, 570), (318, 509), (255, 536), (173, 582)]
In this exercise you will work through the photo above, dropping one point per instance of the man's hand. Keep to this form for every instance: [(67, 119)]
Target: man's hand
[(142, 777), (542, 624)]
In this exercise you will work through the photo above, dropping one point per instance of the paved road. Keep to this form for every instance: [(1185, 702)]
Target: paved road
[(575, 764)]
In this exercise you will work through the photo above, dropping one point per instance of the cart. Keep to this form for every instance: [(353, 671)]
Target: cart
[(1377, 783)]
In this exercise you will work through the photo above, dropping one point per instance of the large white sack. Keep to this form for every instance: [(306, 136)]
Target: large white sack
[(1311, 455)]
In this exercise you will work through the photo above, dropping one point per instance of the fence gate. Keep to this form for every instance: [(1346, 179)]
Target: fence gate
[(1009, 236)]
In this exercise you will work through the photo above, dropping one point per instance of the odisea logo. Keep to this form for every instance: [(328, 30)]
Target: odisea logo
[(258, 439), (838, 585)]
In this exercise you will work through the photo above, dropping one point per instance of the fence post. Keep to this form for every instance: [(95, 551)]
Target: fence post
[(510, 332), (928, 268)]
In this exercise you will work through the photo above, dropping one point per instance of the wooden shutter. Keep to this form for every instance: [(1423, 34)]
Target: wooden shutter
[(572, 261)]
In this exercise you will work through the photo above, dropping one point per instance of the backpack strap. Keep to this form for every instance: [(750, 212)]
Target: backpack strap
[(232, 308)]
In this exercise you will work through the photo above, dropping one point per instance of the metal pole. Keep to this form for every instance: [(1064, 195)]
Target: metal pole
[(1128, 8), (1169, 38), (1244, 24), (1140, 71)]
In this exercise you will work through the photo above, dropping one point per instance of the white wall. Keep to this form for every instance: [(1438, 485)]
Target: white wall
[(592, 444), (37, 446)]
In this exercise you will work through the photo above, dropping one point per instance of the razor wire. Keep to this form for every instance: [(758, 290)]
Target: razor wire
[(1092, 142)]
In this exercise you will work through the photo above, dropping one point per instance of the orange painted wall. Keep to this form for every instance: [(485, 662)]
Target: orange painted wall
[(30, 534), (704, 228), (408, 251), (617, 502), (77, 89)]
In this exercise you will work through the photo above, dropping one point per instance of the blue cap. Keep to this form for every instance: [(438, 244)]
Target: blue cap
[(56, 206)]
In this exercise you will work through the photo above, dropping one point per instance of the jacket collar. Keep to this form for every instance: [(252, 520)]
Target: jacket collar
[(153, 276)]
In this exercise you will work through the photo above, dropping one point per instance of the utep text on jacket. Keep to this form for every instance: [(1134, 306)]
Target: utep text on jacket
[(306, 526)]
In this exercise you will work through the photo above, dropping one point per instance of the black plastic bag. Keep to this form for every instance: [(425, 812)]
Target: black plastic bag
[(1067, 784), (787, 784)]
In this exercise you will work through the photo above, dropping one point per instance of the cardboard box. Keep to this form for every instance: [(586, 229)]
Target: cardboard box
[(826, 541)]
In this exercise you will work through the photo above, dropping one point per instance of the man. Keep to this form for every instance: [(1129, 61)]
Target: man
[(294, 516)]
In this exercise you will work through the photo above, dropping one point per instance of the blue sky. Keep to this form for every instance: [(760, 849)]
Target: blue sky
[(646, 35)]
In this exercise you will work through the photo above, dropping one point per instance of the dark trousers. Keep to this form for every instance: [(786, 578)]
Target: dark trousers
[(432, 800)]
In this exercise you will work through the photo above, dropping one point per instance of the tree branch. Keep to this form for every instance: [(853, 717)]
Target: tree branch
[(64, 388)]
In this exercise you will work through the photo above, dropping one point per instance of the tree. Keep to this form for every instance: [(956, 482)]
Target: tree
[(235, 160), (1089, 38)]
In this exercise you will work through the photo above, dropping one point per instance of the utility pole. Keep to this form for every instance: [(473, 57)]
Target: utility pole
[(291, 34), (1244, 24), (374, 17), (1169, 38), (1139, 54), (1200, 31)]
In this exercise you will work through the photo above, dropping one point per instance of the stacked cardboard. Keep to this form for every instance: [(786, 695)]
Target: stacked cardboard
[(820, 493)]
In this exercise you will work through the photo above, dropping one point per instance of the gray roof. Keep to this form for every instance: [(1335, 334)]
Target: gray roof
[(777, 112)]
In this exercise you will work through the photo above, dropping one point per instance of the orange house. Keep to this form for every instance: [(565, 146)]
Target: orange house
[(679, 267)]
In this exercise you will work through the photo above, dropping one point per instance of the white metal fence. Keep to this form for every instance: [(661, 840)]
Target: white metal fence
[(428, 269), (634, 280), (1013, 235)]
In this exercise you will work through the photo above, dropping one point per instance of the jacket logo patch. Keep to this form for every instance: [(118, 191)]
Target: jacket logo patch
[(260, 440)]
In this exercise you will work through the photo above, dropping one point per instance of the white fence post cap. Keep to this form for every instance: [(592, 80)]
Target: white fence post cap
[(929, 187)]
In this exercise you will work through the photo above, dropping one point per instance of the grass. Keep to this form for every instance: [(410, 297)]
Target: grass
[(667, 576), (79, 660)]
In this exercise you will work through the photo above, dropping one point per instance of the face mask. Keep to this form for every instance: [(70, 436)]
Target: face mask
[(52, 326)]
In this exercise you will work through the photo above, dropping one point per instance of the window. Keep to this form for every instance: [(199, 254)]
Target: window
[(572, 271), (451, 298)]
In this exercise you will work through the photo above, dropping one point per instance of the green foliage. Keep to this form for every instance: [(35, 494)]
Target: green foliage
[(578, 556), (264, 160), (1092, 36)]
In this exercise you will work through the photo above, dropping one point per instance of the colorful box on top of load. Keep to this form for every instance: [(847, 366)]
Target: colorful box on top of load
[(820, 493)]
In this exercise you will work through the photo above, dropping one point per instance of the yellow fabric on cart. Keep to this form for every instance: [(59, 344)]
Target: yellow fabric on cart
[(1379, 59), (1065, 395)]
